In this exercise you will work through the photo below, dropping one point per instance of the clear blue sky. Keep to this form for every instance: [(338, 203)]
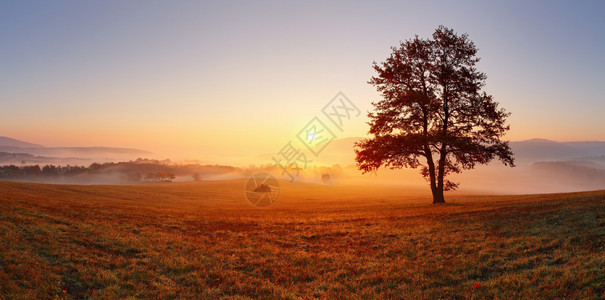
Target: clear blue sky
[(223, 78)]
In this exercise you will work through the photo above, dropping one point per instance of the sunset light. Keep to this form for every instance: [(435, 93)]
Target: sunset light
[(271, 149)]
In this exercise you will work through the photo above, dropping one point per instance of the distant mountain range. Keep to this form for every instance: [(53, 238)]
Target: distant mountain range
[(75, 151), (542, 166), (545, 150), (341, 151), (10, 142), (23, 152)]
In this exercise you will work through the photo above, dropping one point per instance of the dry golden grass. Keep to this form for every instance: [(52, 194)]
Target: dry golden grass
[(203, 240)]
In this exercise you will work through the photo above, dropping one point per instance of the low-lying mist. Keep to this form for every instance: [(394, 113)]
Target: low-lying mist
[(525, 178), (542, 167)]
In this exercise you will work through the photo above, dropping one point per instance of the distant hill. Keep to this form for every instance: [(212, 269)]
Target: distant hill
[(12, 158), (545, 150), (95, 150), (341, 151), (10, 142), (62, 155)]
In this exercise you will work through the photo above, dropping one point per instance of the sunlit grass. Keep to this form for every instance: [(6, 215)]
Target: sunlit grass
[(202, 240)]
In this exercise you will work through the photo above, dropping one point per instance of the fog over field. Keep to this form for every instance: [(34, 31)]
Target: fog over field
[(542, 166)]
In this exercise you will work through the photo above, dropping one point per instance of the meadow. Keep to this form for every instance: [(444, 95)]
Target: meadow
[(203, 240)]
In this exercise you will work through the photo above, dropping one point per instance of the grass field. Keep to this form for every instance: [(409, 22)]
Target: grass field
[(203, 240)]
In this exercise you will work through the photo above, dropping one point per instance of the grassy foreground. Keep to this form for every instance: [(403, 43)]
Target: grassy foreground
[(203, 240)]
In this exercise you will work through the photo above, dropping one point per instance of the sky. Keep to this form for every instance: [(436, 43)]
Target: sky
[(226, 81)]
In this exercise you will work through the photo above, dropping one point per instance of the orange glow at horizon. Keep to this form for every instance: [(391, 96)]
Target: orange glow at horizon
[(225, 82)]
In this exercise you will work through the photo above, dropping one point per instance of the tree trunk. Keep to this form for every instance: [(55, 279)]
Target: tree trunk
[(438, 197), (438, 191)]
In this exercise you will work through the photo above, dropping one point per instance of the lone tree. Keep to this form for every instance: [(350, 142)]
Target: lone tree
[(433, 114)]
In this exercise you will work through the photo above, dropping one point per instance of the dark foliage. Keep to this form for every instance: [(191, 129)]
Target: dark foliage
[(132, 171), (433, 114)]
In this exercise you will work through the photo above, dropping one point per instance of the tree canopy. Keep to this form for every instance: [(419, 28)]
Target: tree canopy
[(433, 114)]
